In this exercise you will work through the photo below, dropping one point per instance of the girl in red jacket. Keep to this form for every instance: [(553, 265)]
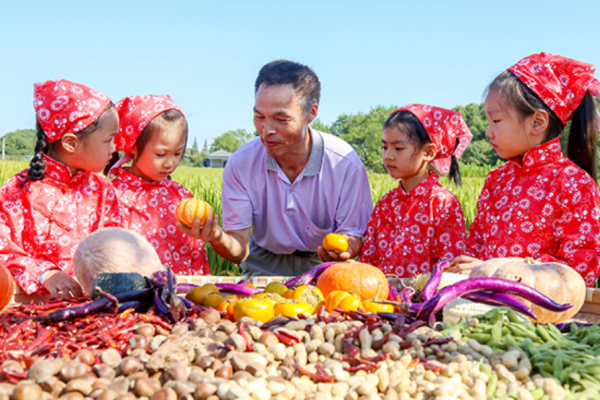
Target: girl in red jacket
[(153, 134), (48, 209), (540, 204), (420, 222)]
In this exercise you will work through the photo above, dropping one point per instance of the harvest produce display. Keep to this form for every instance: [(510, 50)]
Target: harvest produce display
[(340, 331)]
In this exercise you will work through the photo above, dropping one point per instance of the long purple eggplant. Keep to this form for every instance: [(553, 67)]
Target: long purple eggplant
[(307, 277), (449, 293), (393, 292), (407, 294), (502, 300), (434, 280), (236, 288), (185, 287)]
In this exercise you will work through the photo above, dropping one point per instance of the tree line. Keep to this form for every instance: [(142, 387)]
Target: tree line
[(362, 131)]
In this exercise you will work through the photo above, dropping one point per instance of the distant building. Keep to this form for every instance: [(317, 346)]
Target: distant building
[(218, 159)]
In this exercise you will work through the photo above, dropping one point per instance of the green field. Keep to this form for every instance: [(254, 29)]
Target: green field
[(205, 183)]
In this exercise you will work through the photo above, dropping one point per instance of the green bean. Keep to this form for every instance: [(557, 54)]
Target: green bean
[(543, 333), (491, 386), (480, 337), (496, 333), (512, 317)]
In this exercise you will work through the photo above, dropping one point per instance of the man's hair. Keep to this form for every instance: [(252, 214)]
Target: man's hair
[(302, 78)]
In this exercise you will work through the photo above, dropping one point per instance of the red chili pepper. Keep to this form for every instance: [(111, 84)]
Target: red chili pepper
[(42, 338), (433, 367), (378, 344), (406, 330), (274, 322), (352, 350), (367, 368), (286, 338), (374, 325), (441, 340), (316, 377), (378, 358), (246, 337), (320, 313)]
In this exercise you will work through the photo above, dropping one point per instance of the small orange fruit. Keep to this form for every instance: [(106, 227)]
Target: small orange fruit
[(335, 242), (190, 209)]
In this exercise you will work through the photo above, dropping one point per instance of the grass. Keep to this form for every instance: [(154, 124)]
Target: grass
[(205, 183)]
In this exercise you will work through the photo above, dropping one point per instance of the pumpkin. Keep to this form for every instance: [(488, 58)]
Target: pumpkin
[(559, 282), (7, 286), (190, 209), (363, 280), (114, 250)]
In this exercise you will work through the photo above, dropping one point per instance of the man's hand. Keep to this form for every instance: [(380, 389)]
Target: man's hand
[(211, 231), (62, 285), (354, 247), (463, 264)]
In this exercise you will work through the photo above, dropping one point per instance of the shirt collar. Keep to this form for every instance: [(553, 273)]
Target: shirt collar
[(136, 181), (59, 172), (542, 154), (315, 161), (423, 187)]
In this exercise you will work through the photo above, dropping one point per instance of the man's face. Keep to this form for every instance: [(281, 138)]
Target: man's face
[(280, 120)]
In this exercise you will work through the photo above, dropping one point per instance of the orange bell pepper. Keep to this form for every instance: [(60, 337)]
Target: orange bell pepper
[(260, 310), (342, 300), (291, 308)]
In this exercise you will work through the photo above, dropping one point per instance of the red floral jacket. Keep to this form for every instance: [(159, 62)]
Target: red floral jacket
[(43, 222), (148, 209), (544, 207), (409, 232)]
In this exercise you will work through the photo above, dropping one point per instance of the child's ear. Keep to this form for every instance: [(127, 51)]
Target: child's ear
[(540, 122), (430, 152), (70, 142)]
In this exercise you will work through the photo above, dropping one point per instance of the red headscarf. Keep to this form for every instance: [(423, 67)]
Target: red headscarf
[(559, 82), (66, 107), (135, 112), (443, 128)]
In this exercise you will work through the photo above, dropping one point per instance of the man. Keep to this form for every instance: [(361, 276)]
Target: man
[(284, 192)]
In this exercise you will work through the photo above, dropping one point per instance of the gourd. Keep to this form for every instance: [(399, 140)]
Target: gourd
[(7, 286), (190, 209), (558, 281), (335, 242), (362, 280), (114, 250)]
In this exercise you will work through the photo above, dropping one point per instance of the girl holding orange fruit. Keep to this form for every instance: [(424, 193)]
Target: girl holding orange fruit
[(419, 223), (153, 134)]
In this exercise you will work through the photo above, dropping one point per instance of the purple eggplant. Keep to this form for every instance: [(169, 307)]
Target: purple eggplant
[(236, 288), (407, 294), (449, 293), (393, 292), (434, 280), (185, 287), (74, 312), (502, 300), (161, 307), (309, 276), (178, 309)]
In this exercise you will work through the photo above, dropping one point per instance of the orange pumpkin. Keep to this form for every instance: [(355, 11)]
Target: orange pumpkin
[(363, 280), (559, 282), (190, 209), (7, 286)]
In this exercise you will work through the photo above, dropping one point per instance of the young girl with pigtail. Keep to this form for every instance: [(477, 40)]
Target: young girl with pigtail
[(540, 204), (153, 134), (49, 208), (419, 223)]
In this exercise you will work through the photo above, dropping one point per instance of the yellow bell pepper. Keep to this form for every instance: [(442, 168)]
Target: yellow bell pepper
[(260, 310), (291, 308)]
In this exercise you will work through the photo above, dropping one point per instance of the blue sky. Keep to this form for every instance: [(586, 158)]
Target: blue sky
[(206, 55)]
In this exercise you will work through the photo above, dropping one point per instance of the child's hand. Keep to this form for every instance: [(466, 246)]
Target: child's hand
[(464, 264), (211, 230), (62, 285)]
